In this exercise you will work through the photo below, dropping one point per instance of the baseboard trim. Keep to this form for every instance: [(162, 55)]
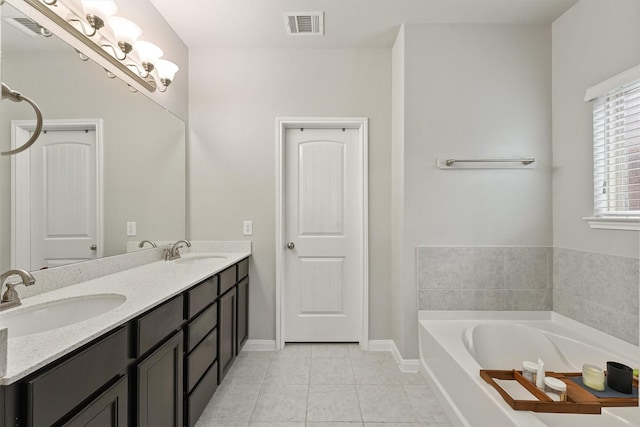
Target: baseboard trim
[(259, 345), (381, 345), (405, 365)]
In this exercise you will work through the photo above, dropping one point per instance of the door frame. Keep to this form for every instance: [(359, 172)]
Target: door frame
[(21, 176), (362, 124)]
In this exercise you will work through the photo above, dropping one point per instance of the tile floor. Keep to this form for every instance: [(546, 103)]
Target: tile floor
[(320, 385)]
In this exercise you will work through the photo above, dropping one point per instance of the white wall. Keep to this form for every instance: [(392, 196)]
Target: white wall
[(397, 184), (472, 91), (235, 96), (592, 41)]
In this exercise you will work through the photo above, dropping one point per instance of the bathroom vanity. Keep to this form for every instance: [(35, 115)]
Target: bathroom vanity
[(149, 364)]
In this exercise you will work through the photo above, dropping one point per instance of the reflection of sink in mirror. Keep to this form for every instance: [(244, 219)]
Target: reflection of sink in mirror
[(52, 315), (200, 259)]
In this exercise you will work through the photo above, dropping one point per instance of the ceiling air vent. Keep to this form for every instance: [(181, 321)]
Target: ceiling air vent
[(299, 24), (27, 26)]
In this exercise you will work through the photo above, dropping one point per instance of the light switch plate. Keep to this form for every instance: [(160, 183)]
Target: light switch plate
[(131, 228), (247, 228)]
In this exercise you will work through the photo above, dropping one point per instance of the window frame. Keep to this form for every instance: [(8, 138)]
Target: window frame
[(602, 96)]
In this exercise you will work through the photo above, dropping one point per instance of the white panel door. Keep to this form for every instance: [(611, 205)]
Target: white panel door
[(323, 286), (63, 198)]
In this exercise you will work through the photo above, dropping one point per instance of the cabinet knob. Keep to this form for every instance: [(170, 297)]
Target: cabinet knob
[(93, 247), (291, 245)]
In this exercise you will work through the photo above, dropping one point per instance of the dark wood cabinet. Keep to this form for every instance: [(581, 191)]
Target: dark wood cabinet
[(226, 332), (201, 394), (200, 359), (202, 295), (54, 393), (159, 369), (109, 409), (243, 268), (159, 323), (228, 279), (200, 327), (161, 386), (242, 318)]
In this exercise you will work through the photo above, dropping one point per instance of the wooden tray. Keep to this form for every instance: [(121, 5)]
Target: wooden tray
[(579, 400)]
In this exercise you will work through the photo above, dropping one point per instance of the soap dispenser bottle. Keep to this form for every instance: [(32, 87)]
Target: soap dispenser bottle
[(540, 375)]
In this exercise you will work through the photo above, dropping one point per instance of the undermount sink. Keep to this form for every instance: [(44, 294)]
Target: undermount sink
[(200, 259), (56, 314)]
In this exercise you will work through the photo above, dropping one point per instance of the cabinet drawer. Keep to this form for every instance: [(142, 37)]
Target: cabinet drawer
[(201, 395), (201, 358), (60, 389), (202, 295), (243, 268), (201, 326), (227, 279), (158, 324)]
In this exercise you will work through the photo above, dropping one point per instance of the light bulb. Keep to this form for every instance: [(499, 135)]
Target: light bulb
[(126, 32)]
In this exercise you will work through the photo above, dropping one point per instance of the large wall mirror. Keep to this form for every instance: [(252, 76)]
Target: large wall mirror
[(108, 171)]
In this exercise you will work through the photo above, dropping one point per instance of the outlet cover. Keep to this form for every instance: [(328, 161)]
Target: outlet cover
[(131, 228), (247, 228)]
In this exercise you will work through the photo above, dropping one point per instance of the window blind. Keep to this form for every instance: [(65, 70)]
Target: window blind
[(616, 153)]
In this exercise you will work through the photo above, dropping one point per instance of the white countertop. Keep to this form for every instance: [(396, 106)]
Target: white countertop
[(144, 287)]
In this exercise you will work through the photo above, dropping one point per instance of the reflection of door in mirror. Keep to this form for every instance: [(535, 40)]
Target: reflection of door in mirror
[(57, 191), (143, 146)]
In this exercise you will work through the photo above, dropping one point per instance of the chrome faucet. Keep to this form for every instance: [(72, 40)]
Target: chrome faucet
[(10, 297), (141, 244), (174, 252)]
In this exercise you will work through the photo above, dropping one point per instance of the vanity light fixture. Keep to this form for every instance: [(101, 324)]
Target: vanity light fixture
[(112, 37), (97, 12), (126, 33), (149, 54)]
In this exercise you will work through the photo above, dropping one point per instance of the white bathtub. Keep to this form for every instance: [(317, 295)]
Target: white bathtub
[(455, 345)]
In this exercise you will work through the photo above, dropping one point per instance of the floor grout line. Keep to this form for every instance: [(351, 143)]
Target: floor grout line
[(260, 374)]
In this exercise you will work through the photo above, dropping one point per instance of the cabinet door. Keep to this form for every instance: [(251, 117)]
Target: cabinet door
[(242, 327), (226, 332), (107, 410), (55, 392), (160, 386)]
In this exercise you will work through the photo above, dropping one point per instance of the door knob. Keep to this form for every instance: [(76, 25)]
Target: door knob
[(93, 247), (291, 245)]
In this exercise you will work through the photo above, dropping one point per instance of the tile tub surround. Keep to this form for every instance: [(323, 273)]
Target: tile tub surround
[(484, 278), (144, 287), (333, 385), (598, 290)]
